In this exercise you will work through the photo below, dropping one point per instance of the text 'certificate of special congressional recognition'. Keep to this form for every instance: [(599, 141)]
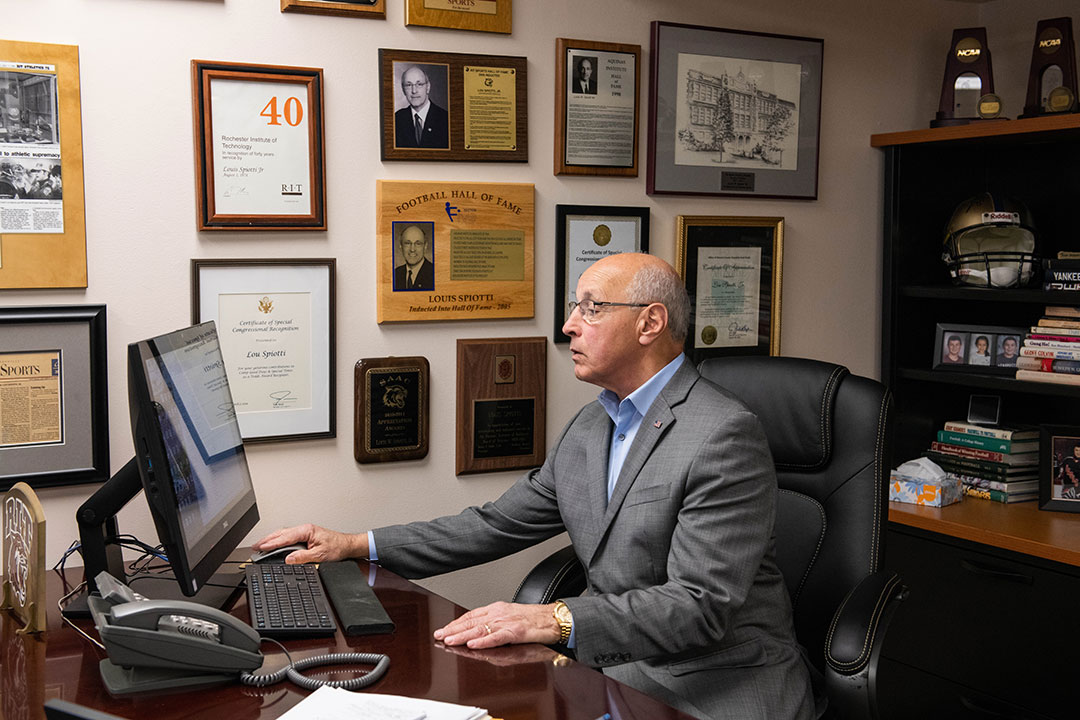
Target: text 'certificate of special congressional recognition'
[(261, 148), (728, 279), (30, 399), (600, 121), (266, 343), (592, 238)]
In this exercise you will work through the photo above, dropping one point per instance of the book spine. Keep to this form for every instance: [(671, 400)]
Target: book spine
[(968, 428), (1049, 377), (1051, 284), (1051, 353), (970, 465), (976, 441), (1045, 364), (968, 452), (1053, 341), (1059, 322), (997, 495), (1062, 311), (1070, 332)]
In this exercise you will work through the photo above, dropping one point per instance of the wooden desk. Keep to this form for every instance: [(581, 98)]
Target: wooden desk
[(525, 682)]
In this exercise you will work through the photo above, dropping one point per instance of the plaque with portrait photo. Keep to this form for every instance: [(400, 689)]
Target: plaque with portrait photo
[(501, 404), (391, 412)]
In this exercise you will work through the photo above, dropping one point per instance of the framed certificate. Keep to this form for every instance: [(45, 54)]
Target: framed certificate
[(583, 235), (54, 406), (596, 108), (275, 322), (732, 267), (259, 154)]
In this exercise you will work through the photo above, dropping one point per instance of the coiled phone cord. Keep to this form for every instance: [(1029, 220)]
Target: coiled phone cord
[(292, 671)]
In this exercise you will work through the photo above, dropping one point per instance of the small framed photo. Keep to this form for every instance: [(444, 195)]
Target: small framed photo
[(989, 349), (343, 8), (733, 113), (453, 107), (275, 321), (583, 235), (1059, 471), (54, 406), (260, 163), (732, 267), (596, 108), (481, 15)]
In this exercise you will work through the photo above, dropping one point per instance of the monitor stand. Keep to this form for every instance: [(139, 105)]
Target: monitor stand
[(98, 532)]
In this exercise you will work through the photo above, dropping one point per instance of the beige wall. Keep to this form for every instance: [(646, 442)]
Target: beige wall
[(882, 72)]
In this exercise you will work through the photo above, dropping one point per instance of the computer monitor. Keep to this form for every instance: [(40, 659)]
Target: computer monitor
[(189, 461)]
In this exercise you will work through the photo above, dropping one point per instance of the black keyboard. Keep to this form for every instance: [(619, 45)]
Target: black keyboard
[(288, 601)]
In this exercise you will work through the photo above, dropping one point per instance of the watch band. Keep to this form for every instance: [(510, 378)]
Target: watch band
[(565, 620)]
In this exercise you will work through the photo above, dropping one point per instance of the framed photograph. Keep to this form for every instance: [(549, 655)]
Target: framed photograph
[(275, 321), (54, 405), (985, 349), (343, 8), (260, 162), (732, 267), (733, 113), (453, 107), (596, 108), (583, 235), (1059, 468), (483, 15), (42, 205)]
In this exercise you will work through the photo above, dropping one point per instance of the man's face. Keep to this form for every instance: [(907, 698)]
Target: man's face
[(1009, 346), (414, 84), (413, 245), (603, 352), (954, 347), (586, 70)]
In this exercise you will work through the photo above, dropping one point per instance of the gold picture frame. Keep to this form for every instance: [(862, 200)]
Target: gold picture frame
[(480, 15), (375, 9)]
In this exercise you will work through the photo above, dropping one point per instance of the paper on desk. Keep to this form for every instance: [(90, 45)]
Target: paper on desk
[(328, 703)]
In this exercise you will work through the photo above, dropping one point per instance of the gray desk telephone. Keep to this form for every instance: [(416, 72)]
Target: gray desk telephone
[(161, 644)]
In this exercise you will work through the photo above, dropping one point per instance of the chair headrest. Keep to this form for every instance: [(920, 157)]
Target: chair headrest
[(792, 397)]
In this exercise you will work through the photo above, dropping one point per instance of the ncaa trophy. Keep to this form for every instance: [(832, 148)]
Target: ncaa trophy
[(967, 92), (1052, 79)]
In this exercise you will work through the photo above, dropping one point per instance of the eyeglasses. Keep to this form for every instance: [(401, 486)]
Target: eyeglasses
[(590, 309)]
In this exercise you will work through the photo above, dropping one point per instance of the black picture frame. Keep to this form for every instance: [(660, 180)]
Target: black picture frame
[(76, 335), (997, 362), (1059, 473), (570, 220)]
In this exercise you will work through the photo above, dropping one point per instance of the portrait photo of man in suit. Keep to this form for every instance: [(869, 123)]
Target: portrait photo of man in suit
[(414, 252), (584, 75), (422, 123), (668, 492)]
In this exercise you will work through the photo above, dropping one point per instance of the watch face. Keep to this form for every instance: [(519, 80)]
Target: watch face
[(562, 613)]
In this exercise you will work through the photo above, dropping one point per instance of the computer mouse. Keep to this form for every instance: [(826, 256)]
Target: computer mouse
[(277, 554)]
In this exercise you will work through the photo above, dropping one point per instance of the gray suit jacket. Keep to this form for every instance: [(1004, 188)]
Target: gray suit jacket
[(685, 600)]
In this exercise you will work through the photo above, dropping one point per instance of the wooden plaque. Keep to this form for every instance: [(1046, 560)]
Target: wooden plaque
[(391, 417), (501, 404), (476, 241), (24, 557)]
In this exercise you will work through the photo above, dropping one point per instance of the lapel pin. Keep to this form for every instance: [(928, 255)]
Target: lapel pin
[(657, 424)]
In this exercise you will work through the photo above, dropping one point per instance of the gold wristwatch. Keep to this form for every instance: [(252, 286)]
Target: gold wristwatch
[(565, 620)]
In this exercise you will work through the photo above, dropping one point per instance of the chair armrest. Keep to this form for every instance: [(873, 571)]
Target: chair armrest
[(557, 576), (854, 643)]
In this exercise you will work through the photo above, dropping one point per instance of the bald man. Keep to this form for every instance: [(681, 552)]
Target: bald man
[(422, 124), (667, 490)]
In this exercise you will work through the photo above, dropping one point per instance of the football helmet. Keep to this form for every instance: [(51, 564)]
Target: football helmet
[(990, 241)]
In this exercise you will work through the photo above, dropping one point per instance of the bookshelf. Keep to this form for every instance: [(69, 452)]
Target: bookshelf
[(966, 564)]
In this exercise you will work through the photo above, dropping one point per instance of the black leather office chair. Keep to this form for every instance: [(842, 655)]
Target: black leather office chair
[(829, 432)]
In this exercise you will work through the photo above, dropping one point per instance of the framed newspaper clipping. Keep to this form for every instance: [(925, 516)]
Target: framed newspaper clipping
[(42, 209), (54, 409), (732, 267), (259, 154)]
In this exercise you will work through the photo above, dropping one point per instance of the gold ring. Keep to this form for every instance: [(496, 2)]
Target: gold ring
[(488, 628)]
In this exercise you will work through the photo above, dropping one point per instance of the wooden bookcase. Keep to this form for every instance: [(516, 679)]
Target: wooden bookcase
[(988, 582)]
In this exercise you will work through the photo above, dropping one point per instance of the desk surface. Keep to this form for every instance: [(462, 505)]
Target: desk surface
[(525, 682)]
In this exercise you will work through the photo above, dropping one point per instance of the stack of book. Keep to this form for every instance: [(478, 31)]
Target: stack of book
[(1051, 351), (993, 462)]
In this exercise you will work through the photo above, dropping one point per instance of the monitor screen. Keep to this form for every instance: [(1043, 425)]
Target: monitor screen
[(189, 451)]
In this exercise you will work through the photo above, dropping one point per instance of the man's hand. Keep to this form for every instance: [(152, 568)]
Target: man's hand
[(502, 624), (322, 545)]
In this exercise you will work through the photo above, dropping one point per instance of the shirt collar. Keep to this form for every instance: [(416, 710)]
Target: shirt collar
[(642, 398), (422, 112)]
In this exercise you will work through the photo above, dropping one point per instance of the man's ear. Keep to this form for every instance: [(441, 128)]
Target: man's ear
[(652, 323)]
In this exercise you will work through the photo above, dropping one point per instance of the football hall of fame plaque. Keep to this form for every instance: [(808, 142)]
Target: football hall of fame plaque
[(969, 79), (1052, 85), (391, 420), (454, 251), (501, 404)]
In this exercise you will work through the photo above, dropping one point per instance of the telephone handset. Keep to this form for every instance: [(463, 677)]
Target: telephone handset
[(158, 644)]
